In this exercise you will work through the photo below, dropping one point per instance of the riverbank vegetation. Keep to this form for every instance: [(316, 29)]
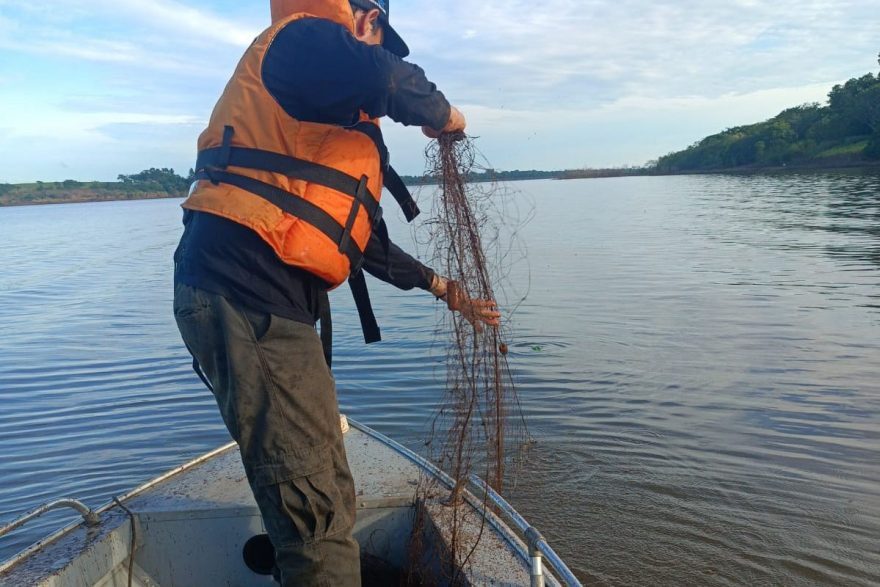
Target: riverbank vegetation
[(165, 183), (519, 175), (148, 184), (843, 132)]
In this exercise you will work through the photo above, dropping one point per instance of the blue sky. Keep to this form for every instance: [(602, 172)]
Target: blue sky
[(93, 88)]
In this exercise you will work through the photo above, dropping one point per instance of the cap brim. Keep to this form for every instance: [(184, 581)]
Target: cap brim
[(392, 41)]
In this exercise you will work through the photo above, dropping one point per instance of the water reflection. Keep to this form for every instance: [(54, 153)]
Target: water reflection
[(849, 205)]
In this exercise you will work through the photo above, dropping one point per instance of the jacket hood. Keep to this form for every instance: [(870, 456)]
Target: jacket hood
[(339, 11)]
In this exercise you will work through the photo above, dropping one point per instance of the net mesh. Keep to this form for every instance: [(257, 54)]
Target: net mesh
[(478, 427)]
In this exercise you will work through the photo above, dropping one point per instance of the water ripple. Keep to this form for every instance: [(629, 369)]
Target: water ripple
[(698, 362)]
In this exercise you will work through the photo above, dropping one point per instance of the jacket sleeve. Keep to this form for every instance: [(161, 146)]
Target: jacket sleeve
[(319, 72), (397, 267)]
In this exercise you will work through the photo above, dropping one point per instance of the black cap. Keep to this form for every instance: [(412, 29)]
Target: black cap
[(392, 40)]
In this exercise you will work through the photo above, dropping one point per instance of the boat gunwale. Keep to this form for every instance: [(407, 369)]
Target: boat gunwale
[(495, 521), (60, 533)]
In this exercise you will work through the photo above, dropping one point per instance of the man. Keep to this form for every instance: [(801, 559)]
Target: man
[(289, 173)]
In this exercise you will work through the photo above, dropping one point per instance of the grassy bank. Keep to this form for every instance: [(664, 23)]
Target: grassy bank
[(847, 156), (27, 194), (146, 185)]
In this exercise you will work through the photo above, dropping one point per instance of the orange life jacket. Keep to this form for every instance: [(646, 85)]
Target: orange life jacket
[(311, 191)]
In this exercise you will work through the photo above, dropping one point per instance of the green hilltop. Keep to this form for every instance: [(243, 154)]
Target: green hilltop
[(844, 132)]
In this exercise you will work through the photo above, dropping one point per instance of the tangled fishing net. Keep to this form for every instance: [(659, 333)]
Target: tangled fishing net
[(478, 427)]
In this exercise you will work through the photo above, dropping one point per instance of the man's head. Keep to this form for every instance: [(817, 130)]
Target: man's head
[(372, 27)]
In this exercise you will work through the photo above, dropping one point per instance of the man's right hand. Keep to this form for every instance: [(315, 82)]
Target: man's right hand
[(456, 123), (477, 312)]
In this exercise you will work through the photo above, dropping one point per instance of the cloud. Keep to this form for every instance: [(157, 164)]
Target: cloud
[(151, 130), (161, 35), (59, 125), (90, 50), (557, 83), (535, 54), (181, 22), (628, 131), (83, 159), (180, 18), (96, 146)]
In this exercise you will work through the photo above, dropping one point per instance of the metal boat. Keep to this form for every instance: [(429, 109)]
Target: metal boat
[(198, 525)]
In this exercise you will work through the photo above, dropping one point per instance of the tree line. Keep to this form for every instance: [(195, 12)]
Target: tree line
[(164, 179), (846, 129), (150, 183)]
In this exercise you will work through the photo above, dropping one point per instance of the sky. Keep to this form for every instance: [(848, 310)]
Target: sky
[(90, 89)]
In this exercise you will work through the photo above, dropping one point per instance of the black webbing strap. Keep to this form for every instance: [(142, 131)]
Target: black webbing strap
[(381, 231), (352, 215), (398, 189), (358, 285), (294, 205), (326, 326), (393, 183), (225, 148), (223, 156), (198, 369)]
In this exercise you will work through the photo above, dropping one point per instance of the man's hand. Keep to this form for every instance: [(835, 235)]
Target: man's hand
[(477, 312), (456, 123)]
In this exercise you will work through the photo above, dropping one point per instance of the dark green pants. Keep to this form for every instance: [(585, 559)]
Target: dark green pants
[(278, 400)]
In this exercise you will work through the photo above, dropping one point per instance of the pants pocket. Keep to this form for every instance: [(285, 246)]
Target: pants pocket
[(300, 499), (315, 505), (260, 322)]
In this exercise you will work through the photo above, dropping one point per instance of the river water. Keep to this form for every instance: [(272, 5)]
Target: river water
[(698, 359)]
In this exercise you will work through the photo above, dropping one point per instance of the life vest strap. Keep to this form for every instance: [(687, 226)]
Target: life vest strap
[(226, 147), (324, 315), (212, 163), (312, 214), (358, 285), (222, 157), (228, 156), (294, 205), (393, 183), (395, 186), (352, 215), (369, 325)]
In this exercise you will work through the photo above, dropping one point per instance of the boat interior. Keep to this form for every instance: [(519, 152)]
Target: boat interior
[(199, 526)]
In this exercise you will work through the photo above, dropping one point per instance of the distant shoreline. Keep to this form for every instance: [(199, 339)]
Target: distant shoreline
[(754, 170), (601, 174), (94, 200), (110, 195)]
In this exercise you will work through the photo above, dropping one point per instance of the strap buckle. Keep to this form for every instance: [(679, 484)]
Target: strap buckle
[(210, 172)]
